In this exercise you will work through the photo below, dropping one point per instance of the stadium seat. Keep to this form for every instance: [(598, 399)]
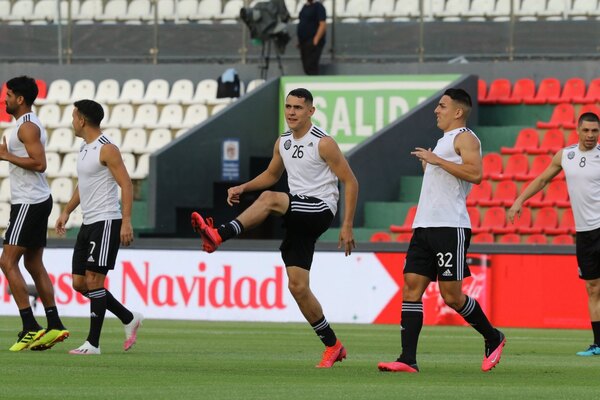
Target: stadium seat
[(194, 115), (408, 221), (453, 10), (546, 218), (68, 166), (481, 192), (61, 189), (378, 9), (165, 10), (5, 192), (231, 10), (573, 88), (156, 91), (21, 10), (522, 92), (120, 117), (114, 10), (517, 164), (83, 89), (562, 116), (253, 84), (188, 9), (556, 195), (3, 91), (566, 225), (522, 221), (52, 164), (504, 195), (42, 89), (592, 95), (498, 90), (132, 91), (538, 238), (142, 168), (146, 116), (182, 92), (538, 165), (474, 216), (553, 141), (582, 9), (481, 90), (483, 237), (134, 141), (59, 92), (529, 9), (355, 9), (158, 138), (493, 219), (4, 169), (492, 165), (380, 237), (129, 161), (549, 88), (572, 138), (406, 10), (563, 239), (61, 140), (75, 219), (4, 213), (404, 237), (593, 108), (50, 115), (510, 238), (54, 214), (216, 108), (555, 10), (5, 8), (65, 120), (481, 9), (527, 140), (206, 91), (89, 11), (107, 91), (114, 135), (171, 116)]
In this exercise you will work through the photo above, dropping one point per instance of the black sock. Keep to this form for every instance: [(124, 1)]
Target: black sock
[(324, 332), (97, 312), (114, 306), (473, 314), (596, 330), (411, 323), (230, 229), (54, 321), (29, 322)]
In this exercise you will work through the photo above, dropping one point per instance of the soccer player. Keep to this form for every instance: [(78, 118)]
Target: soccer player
[(314, 163), (101, 173), (442, 232), (31, 204), (581, 163)]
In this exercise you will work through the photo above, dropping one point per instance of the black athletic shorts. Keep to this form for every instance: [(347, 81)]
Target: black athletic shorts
[(587, 248), (96, 247), (439, 253), (28, 224), (305, 220)]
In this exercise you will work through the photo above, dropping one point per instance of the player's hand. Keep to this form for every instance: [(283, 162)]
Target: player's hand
[(233, 194), (515, 210), (426, 156), (126, 232), (3, 149), (61, 224), (346, 240)]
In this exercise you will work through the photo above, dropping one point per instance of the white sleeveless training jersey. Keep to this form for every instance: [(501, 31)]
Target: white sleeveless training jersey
[(308, 174), (26, 187), (582, 171), (442, 202), (98, 190)]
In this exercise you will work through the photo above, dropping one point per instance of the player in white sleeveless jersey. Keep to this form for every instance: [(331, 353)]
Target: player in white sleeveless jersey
[(101, 172), (581, 163), (31, 204), (314, 163), (442, 232)]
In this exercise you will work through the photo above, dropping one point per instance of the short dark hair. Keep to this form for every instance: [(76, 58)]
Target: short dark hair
[(24, 86), (303, 94), (90, 110), (460, 96), (589, 117)]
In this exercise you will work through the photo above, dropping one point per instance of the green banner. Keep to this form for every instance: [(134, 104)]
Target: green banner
[(353, 108)]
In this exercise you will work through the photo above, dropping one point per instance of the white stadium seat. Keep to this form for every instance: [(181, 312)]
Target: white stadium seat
[(61, 189), (142, 168), (156, 91), (114, 135), (61, 140), (49, 115), (4, 214), (108, 91), (132, 91), (129, 161), (145, 116), (157, 139), (52, 164), (120, 116), (54, 214), (206, 91), (113, 10), (182, 91), (5, 191), (68, 167), (171, 116), (59, 92), (134, 141), (194, 115)]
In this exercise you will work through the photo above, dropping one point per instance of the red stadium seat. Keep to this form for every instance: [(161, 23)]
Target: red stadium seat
[(547, 89), (3, 93), (538, 238), (562, 116), (565, 226), (483, 238), (504, 195), (481, 90), (553, 141), (556, 195), (517, 164), (42, 88), (593, 108), (573, 88), (498, 89), (546, 218), (4, 116), (474, 216), (563, 239), (510, 238), (538, 165), (494, 218), (521, 221), (527, 140), (536, 197), (404, 237), (523, 91), (492, 165), (573, 138), (408, 220), (480, 192), (592, 95), (380, 237)]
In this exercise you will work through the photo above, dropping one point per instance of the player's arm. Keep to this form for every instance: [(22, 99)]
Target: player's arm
[(111, 157), (265, 180), (61, 222), (331, 153), (29, 134), (469, 149), (536, 185)]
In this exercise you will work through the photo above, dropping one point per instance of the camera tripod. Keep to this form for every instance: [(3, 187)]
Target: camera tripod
[(265, 56)]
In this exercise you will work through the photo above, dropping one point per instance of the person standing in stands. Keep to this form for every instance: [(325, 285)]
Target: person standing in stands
[(31, 203), (314, 164), (311, 30), (100, 173), (581, 163), (442, 232)]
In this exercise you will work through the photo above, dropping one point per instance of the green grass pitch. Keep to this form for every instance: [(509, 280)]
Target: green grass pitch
[(243, 360)]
